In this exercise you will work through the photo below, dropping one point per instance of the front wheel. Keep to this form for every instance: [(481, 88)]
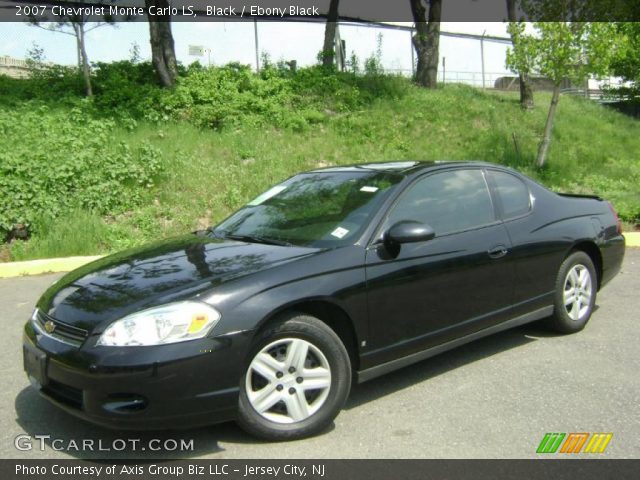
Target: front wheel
[(296, 381), (575, 296)]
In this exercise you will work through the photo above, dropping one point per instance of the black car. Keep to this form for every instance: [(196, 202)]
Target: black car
[(335, 274)]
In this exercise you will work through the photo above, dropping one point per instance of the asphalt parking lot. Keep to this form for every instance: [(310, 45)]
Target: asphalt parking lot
[(495, 398)]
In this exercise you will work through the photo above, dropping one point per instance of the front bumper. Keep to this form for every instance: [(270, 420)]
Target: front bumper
[(181, 385)]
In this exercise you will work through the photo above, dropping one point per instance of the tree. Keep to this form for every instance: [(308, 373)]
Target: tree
[(564, 50), (426, 41), (163, 53), (76, 26), (526, 93), (626, 63), (134, 53), (328, 48), (35, 57)]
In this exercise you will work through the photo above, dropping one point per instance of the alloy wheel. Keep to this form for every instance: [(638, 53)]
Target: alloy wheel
[(288, 380), (577, 292)]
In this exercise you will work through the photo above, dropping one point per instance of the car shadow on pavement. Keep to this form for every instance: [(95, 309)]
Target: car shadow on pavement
[(445, 362)]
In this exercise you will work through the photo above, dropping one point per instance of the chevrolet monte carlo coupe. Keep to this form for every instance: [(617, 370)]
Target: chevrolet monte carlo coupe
[(334, 275)]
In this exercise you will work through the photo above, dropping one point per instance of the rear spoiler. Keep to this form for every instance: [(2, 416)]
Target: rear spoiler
[(576, 195)]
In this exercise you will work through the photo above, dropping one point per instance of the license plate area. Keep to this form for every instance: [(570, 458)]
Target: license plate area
[(35, 364)]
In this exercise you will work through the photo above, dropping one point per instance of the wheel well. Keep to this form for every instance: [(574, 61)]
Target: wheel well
[(593, 251), (334, 317)]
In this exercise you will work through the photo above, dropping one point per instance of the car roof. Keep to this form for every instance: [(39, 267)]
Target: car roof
[(404, 167)]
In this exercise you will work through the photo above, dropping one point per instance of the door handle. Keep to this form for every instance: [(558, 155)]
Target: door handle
[(498, 252)]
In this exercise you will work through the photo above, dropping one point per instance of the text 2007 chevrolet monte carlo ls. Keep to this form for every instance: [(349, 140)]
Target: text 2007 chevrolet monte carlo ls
[(338, 273)]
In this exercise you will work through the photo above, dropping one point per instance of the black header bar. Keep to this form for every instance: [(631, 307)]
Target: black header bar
[(309, 10)]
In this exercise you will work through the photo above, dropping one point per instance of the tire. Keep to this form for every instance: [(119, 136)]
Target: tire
[(576, 283), (276, 403)]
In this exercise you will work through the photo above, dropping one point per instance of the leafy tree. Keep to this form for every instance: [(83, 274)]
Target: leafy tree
[(35, 57), (76, 26), (328, 50), (163, 53), (373, 63), (515, 29), (134, 53), (626, 63), (426, 41), (562, 50)]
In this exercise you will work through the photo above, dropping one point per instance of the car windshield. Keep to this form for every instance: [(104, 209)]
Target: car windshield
[(317, 209)]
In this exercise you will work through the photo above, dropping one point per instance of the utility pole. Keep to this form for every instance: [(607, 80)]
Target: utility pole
[(444, 70), (413, 60), (255, 34), (482, 55)]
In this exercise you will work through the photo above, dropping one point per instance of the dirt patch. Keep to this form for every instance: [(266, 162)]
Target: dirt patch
[(480, 124), (5, 254), (204, 222)]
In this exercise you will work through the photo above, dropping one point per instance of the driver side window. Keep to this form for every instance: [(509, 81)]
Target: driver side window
[(449, 202)]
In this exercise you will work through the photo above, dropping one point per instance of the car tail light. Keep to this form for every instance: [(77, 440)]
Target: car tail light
[(615, 215)]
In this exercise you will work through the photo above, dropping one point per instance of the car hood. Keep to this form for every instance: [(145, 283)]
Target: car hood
[(172, 270)]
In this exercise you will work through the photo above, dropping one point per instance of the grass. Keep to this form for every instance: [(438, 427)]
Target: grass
[(209, 174), (81, 233)]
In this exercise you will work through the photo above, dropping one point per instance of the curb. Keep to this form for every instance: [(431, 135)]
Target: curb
[(52, 265), (632, 239), (47, 265)]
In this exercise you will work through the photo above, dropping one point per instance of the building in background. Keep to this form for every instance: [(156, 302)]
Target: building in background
[(13, 67)]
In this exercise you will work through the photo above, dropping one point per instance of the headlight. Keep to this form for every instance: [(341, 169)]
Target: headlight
[(174, 322)]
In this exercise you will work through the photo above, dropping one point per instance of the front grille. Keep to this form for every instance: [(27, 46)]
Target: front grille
[(63, 331), (64, 393)]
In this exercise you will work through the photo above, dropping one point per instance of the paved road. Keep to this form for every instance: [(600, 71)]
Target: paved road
[(490, 399)]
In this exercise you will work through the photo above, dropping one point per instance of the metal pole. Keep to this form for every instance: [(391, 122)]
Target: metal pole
[(586, 88), (482, 55), (413, 61), (444, 70), (255, 34)]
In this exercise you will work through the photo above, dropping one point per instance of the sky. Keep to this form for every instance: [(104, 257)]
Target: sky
[(234, 41)]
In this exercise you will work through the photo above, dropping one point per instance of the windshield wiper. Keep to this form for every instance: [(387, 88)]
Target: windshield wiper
[(255, 239)]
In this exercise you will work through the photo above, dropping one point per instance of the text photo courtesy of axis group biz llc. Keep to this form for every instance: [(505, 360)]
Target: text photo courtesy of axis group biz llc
[(329, 239)]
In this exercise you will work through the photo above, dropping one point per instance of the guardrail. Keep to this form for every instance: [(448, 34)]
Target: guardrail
[(13, 62), (596, 95)]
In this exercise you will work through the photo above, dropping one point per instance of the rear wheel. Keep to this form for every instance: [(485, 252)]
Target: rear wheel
[(296, 381), (575, 296)]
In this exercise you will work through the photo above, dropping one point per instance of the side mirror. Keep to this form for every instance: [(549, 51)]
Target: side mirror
[(409, 231)]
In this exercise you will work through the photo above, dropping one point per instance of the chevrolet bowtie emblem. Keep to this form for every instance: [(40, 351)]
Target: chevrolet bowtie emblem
[(49, 326)]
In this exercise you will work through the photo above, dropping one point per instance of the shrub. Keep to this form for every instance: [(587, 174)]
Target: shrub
[(226, 96), (55, 161), (56, 83), (280, 96), (233, 95), (125, 88)]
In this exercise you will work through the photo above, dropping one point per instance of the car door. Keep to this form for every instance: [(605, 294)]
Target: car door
[(536, 254), (430, 292)]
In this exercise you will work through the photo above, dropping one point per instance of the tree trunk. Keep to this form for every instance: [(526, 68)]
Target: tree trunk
[(84, 59), (526, 93), (426, 41), (163, 55), (328, 48), (546, 137), (78, 51)]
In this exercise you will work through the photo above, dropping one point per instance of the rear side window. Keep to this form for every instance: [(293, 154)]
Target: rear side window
[(513, 194), (448, 201)]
